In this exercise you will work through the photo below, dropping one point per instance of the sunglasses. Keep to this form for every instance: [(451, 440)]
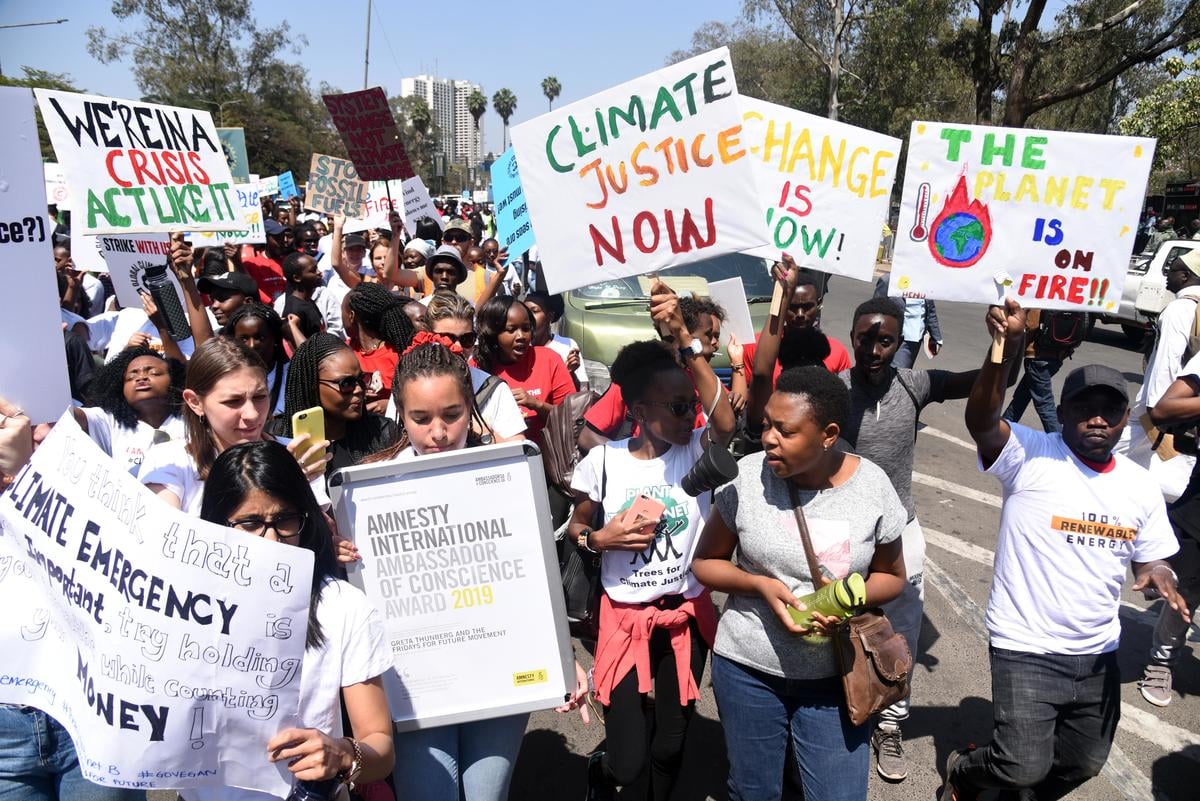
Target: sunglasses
[(677, 408), (806, 306), (456, 236), (285, 526), (466, 340), (346, 384)]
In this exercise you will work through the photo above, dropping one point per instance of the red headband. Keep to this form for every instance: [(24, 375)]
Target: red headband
[(428, 338)]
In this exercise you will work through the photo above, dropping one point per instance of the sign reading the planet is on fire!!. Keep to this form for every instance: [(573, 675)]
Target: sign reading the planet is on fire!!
[(1045, 217), (135, 167)]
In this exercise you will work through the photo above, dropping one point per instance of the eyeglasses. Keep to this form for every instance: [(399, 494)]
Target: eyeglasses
[(466, 340), (286, 526), (677, 408), (347, 383)]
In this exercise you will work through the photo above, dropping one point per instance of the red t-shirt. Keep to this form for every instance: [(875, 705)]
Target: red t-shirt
[(607, 414), (382, 360), (268, 274), (542, 374), (837, 360)]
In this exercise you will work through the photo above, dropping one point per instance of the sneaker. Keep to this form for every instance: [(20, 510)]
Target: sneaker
[(599, 788), (1155, 685), (889, 753), (949, 791)]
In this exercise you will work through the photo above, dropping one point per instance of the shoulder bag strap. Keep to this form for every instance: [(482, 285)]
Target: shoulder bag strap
[(819, 573), (916, 406)]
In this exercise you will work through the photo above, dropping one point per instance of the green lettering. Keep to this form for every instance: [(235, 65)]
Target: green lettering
[(711, 82), (106, 209), (1032, 157), (581, 147), (664, 104), (990, 151), (955, 137), (686, 85), (550, 152)]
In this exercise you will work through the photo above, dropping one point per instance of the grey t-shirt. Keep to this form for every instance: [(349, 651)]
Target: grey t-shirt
[(883, 422), (845, 524)]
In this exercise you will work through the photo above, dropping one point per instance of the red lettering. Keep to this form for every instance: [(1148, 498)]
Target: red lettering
[(112, 170), (638, 225), (616, 248), (198, 171), (1058, 288), (140, 172), (1075, 294), (1026, 283), (689, 233)]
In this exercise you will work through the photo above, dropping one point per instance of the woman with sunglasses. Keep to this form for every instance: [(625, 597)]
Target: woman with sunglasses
[(657, 621), (537, 376), (325, 373), (257, 488)]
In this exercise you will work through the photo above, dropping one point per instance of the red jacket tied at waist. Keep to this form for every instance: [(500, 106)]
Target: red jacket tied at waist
[(624, 642)]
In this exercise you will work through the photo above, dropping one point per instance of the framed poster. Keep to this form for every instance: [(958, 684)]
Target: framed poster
[(459, 557)]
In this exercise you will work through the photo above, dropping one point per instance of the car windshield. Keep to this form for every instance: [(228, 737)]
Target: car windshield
[(754, 272)]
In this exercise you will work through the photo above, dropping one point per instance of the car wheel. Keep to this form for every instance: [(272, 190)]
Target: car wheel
[(1134, 334)]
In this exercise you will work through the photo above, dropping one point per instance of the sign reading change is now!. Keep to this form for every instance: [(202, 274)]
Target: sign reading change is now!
[(1045, 217), (135, 167), (644, 176)]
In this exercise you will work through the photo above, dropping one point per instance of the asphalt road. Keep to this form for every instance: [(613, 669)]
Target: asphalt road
[(1157, 751)]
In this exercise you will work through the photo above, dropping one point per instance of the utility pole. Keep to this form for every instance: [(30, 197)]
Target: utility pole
[(367, 51)]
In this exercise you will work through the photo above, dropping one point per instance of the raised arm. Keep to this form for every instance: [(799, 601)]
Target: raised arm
[(986, 400), (401, 276), (349, 277), (767, 351), (181, 264)]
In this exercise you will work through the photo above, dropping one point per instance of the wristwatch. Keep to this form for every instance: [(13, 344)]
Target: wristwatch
[(693, 348), (349, 777), (583, 541)]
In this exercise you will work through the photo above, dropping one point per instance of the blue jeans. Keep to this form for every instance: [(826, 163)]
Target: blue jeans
[(1036, 384), (758, 711), (433, 764), (1055, 717), (38, 762), (906, 354)]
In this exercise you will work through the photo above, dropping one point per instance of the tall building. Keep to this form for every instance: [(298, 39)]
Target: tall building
[(447, 99)]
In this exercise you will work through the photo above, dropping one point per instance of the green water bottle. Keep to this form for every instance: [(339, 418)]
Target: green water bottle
[(843, 598)]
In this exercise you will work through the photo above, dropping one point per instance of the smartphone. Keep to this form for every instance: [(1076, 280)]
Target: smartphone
[(645, 507), (311, 422)]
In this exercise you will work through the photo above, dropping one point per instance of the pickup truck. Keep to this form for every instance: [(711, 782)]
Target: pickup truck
[(1145, 293)]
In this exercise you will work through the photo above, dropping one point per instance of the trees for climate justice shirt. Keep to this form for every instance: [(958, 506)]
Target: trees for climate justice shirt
[(665, 567), (1067, 535)]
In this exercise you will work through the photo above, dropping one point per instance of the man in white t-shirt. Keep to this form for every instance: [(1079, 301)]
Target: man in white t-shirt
[(1074, 518)]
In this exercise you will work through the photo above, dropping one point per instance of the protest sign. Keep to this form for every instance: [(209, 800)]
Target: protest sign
[(251, 232), (513, 229), (138, 264), (458, 557), (418, 205), (136, 167), (334, 187), (233, 142), (647, 175), (268, 185), (731, 295), (378, 206), (168, 647), (825, 187), (364, 119), (33, 364), (287, 186), (1046, 217), (57, 191)]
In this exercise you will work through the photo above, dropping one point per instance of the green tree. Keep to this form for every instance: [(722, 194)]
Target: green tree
[(477, 105), (419, 132), (42, 79), (551, 88), (505, 103), (1171, 113)]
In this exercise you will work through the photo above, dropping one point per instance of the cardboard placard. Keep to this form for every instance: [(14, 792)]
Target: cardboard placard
[(647, 175), (514, 231), (251, 232), (1046, 217), (364, 119), (136, 167), (334, 187)]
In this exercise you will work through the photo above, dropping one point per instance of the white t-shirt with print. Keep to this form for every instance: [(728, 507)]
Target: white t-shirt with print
[(665, 567), (355, 650), (1067, 535), (128, 446), (500, 411)]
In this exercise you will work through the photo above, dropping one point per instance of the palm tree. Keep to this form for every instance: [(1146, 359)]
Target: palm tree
[(477, 105), (551, 88), (505, 103)]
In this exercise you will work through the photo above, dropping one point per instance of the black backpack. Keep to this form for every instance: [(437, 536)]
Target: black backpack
[(1061, 332)]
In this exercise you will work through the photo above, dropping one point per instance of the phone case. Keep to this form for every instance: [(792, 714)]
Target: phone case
[(644, 506), (311, 422)]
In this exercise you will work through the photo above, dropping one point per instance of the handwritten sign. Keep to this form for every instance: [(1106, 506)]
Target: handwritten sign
[(268, 185), (514, 231), (364, 119), (826, 187), (251, 231), (418, 205), (377, 205), (650, 174), (233, 142), (287, 186), (57, 191), (1046, 217), (137, 167), (168, 647), (334, 187), (33, 364), (471, 599)]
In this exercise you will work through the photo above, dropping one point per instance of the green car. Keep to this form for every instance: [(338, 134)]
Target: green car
[(606, 316)]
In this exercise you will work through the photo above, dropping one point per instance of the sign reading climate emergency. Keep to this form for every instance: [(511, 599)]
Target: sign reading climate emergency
[(135, 167)]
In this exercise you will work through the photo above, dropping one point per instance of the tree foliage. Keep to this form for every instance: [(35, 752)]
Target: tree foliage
[(42, 79), (419, 131), (505, 103), (551, 88), (1170, 111)]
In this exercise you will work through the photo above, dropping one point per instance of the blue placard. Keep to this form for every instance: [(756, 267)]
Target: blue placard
[(513, 227), (287, 186)]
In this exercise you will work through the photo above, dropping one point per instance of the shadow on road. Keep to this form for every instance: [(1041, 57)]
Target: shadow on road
[(1175, 776)]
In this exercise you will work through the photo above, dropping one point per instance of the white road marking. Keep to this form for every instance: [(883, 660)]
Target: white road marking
[(933, 432), (958, 489)]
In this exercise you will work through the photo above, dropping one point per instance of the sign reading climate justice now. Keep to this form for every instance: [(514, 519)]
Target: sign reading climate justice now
[(825, 187), (136, 167), (644, 176), (168, 647), (1045, 217)]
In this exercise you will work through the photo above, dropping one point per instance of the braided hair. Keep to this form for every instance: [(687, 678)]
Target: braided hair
[(382, 314), (303, 389), (274, 323), (107, 390)]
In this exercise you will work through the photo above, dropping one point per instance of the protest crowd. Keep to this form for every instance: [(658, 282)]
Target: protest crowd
[(757, 525)]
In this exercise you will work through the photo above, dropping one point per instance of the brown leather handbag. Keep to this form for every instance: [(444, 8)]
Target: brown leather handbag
[(874, 660)]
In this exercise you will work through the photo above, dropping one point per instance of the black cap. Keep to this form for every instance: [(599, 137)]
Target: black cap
[(272, 227), (1093, 375), (354, 241), (234, 282)]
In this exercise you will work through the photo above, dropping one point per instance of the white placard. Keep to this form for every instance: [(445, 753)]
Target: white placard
[(731, 294), (57, 191), (647, 175), (418, 204), (135, 167), (377, 206), (33, 361), (168, 647), (458, 556), (250, 233), (269, 185), (1046, 217), (826, 187)]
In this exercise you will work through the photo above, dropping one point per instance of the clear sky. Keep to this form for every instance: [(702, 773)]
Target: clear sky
[(588, 46)]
